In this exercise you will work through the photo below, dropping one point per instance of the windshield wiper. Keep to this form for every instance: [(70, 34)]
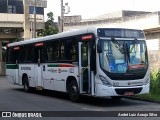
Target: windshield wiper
[(127, 52), (118, 45), (134, 42)]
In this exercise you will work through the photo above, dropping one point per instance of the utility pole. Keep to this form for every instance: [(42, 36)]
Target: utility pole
[(64, 10), (26, 23), (34, 31), (62, 17)]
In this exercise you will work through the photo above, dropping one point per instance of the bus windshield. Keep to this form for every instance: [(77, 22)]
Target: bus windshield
[(123, 56)]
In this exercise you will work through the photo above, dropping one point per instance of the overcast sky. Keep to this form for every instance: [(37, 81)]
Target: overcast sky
[(93, 8)]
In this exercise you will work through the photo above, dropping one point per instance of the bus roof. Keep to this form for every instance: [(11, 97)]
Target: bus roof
[(73, 32)]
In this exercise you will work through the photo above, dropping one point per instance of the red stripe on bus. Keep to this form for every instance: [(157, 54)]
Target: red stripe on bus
[(66, 65)]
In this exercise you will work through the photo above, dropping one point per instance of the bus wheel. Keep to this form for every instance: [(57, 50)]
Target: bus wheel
[(26, 84), (73, 91)]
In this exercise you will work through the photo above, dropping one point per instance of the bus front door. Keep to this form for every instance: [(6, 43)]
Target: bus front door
[(84, 67), (38, 67)]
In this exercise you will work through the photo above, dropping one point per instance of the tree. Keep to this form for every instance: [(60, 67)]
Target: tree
[(50, 26)]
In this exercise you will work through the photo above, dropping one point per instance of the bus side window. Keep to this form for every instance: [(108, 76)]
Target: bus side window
[(13, 55), (21, 54), (68, 49), (16, 56), (52, 51), (9, 55), (74, 51), (28, 53)]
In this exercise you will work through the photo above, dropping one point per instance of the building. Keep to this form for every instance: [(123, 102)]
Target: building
[(15, 17), (123, 18), (147, 21)]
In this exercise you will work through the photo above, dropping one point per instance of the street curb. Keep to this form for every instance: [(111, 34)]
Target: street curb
[(143, 99)]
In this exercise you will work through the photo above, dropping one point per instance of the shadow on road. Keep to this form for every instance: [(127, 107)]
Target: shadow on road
[(88, 100)]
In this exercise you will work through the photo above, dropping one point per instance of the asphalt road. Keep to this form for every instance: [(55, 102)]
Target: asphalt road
[(13, 98)]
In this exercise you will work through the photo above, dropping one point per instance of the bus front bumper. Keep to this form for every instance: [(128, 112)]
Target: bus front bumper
[(102, 90)]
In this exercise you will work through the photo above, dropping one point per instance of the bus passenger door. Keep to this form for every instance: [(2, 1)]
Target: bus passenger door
[(16, 71), (38, 67), (84, 67)]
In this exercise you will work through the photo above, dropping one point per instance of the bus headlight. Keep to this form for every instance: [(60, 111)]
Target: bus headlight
[(105, 81), (147, 81)]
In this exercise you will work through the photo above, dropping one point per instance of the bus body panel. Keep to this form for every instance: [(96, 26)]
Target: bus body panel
[(102, 90), (10, 76), (29, 70), (55, 77), (47, 78), (53, 74), (125, 83), (12, 73)]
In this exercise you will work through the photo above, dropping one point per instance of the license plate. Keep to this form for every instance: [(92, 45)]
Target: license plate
[(128, 93)]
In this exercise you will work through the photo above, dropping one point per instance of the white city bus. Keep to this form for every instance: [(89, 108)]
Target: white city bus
[(93, 61)]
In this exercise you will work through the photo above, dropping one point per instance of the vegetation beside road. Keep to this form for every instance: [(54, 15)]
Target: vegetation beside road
[(50, 27), (154, 87)]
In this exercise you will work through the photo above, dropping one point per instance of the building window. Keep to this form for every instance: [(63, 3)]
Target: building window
[(39, 10), (3, 6), (11, 9)]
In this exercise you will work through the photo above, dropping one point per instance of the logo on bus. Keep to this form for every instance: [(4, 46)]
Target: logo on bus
[(53, 70), (135, 83), (60, 70), (25, 68), (71, 70)]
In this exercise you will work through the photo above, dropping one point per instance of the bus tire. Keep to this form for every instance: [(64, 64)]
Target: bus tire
[(26, 84), (73, 91)]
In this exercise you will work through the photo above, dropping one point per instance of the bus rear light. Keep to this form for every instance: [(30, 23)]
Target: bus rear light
[(87, 37)]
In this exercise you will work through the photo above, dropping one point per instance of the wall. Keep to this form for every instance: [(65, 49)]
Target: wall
[(139, 22)]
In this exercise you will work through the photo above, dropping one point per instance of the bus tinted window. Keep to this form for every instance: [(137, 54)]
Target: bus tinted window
[(16, 56), (21, 55), (28, 53), (68, 49), (52, 49), (120, 33), (13, 55), (9, 55)]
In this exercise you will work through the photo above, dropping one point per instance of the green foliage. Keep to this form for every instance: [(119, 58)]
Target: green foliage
[(50, 26), (154, 87), (50, 16), (155, 82)]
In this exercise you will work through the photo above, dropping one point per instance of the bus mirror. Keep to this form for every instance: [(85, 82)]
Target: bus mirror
[(99, 49)]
